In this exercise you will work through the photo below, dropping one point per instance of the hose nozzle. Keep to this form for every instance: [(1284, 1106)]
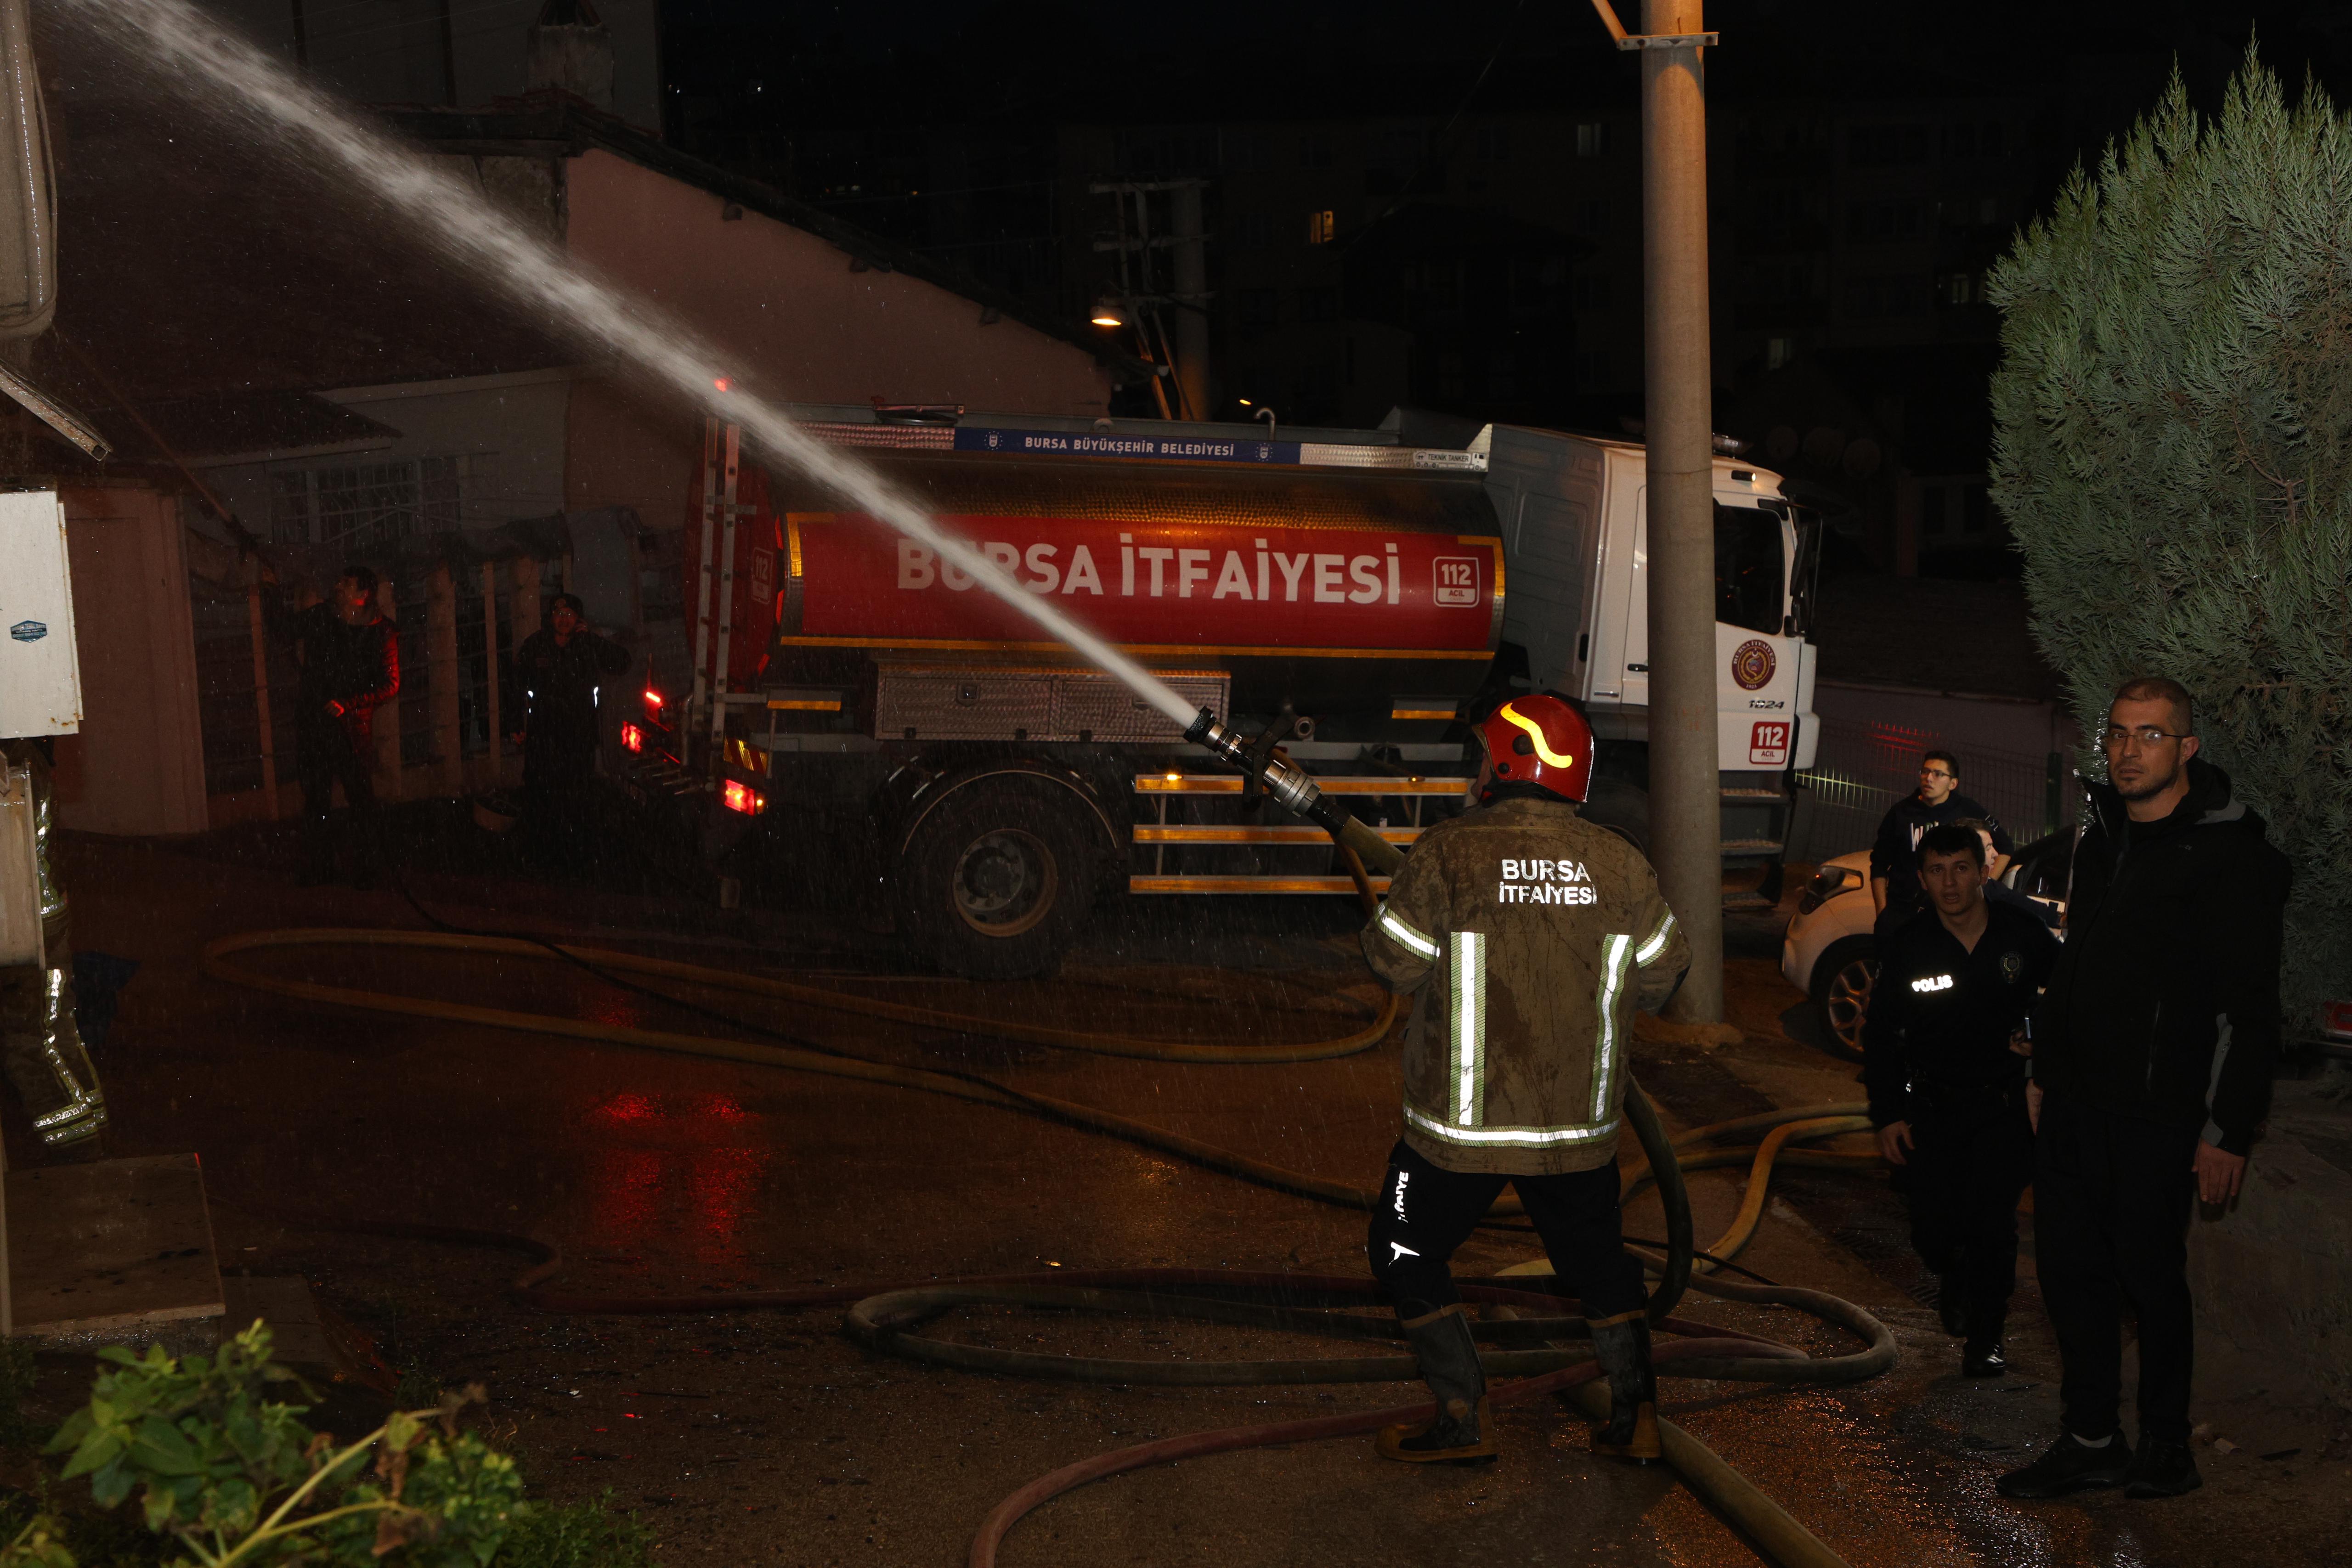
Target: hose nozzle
[(1293, 789)]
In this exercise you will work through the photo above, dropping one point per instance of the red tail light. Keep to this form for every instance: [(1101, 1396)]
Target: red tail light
[(741, 796), (2337, 1021), (653, 697), (632, 738)]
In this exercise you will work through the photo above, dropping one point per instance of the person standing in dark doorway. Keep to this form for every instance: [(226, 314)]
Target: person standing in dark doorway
[(562, 669), (1947, 1082), (1893, 858), (349, 657)]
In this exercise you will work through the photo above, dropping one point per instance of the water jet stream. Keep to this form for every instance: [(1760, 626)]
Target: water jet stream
[(193, 52)]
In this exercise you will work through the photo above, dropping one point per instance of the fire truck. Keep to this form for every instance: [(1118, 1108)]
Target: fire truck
[(1346, 597)]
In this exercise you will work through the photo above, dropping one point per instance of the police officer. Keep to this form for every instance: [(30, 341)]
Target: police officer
[(1526, 937), (1947, 1081), (1894, 856)]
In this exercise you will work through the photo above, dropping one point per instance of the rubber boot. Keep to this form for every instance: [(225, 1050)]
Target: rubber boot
[(1460, 1434), (1621, 1345)]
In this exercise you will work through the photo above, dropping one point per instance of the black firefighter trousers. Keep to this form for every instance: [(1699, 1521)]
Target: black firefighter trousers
[(2111, 1202), (1427, 1211)]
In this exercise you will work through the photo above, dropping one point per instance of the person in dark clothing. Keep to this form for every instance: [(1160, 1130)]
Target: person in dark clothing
[(1894, 857), (561, 669), (2153, 1051), (1948, 1085), (349, 657)]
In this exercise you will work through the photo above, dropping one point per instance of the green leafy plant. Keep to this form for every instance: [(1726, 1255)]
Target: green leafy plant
[(578, 1535), (2173, 450), (238, 1481)]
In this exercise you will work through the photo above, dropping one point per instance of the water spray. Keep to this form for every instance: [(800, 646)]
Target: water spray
[(187, 48), (1291, 788)]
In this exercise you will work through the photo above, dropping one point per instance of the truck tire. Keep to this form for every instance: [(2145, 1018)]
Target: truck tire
[(996, 879), (1843, 978)]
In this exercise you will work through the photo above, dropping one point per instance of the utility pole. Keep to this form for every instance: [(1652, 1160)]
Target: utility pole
[(1678, 432)]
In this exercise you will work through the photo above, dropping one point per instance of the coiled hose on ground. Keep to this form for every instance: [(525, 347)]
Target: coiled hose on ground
[(1527, 1348)]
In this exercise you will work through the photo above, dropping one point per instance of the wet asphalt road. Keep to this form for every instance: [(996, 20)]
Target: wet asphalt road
[(768, 1437)]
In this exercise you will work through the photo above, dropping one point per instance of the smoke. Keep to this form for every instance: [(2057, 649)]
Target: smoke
[(227, 76)]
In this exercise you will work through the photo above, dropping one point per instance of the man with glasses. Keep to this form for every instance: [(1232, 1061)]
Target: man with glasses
[(1894, 857), (2153, 1050)]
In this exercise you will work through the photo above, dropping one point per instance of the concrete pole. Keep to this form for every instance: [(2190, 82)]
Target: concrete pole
[(1192, 276), (1685, 804)]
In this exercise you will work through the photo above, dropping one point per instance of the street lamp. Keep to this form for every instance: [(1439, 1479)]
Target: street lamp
[(1109, 312)]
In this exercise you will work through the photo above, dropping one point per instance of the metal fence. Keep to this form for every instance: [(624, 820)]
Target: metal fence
[(1861, 770)]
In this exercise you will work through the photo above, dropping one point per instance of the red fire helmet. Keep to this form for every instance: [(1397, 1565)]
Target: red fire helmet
[(1541, 740)]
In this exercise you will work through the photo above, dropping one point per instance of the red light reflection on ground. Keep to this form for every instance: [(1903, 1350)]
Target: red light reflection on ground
[(695, 1190), (627, 1106)]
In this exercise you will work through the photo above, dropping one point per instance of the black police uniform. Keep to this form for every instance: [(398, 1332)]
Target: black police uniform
[(1895, 854), (1937, 1057)]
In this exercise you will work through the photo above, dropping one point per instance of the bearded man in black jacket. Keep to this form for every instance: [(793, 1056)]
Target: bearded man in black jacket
[(2153, 1052)]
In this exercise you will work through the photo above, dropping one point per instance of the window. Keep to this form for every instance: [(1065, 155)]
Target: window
[(1592, 218), (1779, 351), (1883, 220), (1589, 292), (1319, 304), (1320, 228), (1494, 142), (1259, 306), (1901, 294), (1747, 561), (1876, 146), (1593, 369), (1591, 139), (1931, 510), (1315, 150), (366, 504), (1254, 230), (1958, 288)]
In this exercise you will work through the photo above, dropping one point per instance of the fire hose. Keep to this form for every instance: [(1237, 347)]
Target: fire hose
[(886, 1319)]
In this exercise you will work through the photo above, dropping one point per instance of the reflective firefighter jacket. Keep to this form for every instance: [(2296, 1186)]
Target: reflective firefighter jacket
[(1526, 937)]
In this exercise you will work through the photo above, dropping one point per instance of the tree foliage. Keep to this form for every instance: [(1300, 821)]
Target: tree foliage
[(2173, 450)]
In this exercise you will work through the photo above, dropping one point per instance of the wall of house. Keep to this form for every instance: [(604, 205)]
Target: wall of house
[(138, 765), (795, 320), (507, 432)]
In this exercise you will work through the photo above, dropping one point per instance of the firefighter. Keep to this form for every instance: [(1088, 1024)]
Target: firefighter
[(1527, 937), (351, 666), (1945, 1072), (40, 1048), (562, 669)]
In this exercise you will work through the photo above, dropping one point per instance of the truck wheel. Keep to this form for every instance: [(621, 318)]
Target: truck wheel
[(997, 880), (1843, 977)]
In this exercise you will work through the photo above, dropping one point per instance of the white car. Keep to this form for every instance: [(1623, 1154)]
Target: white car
[(1830, 954)]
